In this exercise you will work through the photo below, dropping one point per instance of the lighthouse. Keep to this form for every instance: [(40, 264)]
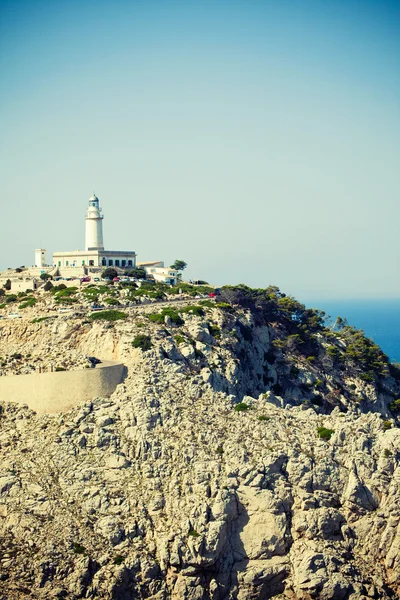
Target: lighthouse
[(94, 256), (94, 225)]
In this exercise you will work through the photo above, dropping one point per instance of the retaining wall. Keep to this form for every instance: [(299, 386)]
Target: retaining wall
[(60, 391)]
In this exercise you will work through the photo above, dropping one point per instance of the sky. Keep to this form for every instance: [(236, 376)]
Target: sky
[(259, 141)]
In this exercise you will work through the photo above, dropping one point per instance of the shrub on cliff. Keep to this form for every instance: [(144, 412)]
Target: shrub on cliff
[(30, 302), (143, 342), (324, 433), (167, 312), (108, 315)]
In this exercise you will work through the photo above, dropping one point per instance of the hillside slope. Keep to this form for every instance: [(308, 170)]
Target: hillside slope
[(250, 453)]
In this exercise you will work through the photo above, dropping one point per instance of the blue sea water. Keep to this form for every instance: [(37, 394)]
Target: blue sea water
[(379, 319)]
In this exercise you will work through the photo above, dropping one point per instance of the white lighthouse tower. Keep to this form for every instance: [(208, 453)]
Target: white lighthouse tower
[(94, 225)]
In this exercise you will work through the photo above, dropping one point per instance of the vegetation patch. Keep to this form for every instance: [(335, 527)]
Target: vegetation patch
[(179, 339), (195, 310), (395, 406), (40, 319), (241, 407), (167, 312), (263, 418), (78, 548), (108, 315), (324, 433), (29, 303), (193, 533), (111, 301), (143, 342), (214, 330)]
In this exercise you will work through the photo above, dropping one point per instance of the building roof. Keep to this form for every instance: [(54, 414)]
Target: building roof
[(150, 263)]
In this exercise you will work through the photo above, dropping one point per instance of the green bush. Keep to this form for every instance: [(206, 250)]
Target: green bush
[(108, 315), (58, 288), (387, 425), (111, 301), (214, 330), (30, 302), (59, 369), (118, 560), (10, 298), (179, 339), (78, 548), (167, 312), (40, 319), (143, 342), (324, 433), (66, 300), (62, 292), (208, 303), (263, 418), (193, 533), (242, 406), (395, 406), (196, 310), (369, 377)]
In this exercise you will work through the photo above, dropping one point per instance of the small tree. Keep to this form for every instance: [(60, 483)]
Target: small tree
[(179, 265), (7, 285), (47, 286), (109, 273), (138, 273), (45, 276)]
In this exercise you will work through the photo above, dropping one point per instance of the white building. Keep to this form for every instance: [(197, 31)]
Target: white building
[(160, 273), (94, 254)]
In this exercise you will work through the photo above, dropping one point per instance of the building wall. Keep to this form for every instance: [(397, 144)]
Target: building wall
[(59, 392), (40, 257), (21, 285), (103, 259)]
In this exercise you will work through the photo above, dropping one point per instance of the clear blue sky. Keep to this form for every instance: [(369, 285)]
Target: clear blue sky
[(257, 140)]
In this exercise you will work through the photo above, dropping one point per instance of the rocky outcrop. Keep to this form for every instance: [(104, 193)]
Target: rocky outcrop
[(210, 473)]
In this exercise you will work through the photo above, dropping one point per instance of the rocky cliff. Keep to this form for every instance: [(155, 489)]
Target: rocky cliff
[(251, 453)]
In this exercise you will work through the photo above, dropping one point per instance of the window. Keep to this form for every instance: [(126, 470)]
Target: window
[(110, 263), (104, 262), (59, 263), (123, 263), (129, 263), (117, 263), (66, 263), (91, 263), (83, 262)]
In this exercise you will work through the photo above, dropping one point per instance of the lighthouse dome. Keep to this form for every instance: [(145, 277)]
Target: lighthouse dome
[(93, 198)]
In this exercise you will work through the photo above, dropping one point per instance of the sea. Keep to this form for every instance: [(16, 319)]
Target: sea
[(379, 319)]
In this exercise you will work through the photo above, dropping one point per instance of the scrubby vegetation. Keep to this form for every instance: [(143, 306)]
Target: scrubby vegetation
[(241, 407), (108, 315), (172, 313), (324, 433), (143, 342)]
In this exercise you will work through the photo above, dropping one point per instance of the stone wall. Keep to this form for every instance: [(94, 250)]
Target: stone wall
[(60, 391)]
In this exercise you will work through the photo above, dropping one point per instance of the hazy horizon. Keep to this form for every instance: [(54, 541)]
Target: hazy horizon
[(257, 141)]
